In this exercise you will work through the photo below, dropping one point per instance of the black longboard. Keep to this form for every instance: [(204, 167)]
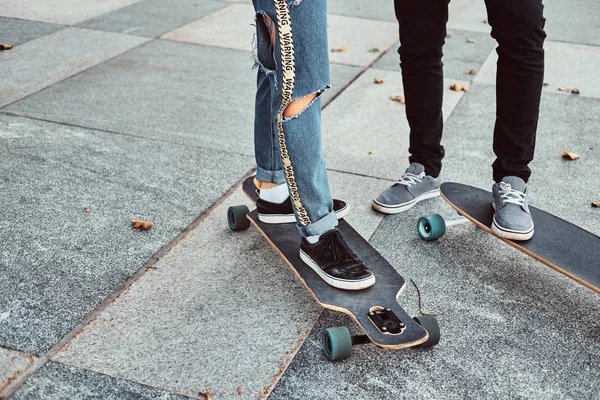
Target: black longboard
[(357, 304), (557, 243)]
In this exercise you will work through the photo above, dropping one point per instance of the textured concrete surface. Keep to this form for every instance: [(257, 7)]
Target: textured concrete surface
[(459, 55), (181, 93), (367, 36), (573, 21), (153, 17), (469, 15), (374, 9), (365, 120), (70, 11), (239, 310), (17, 31), (12, 363), (60, 382), (57, 261), (215, 31), (340, 76), (358, 191), (51, 58), (567, 66)]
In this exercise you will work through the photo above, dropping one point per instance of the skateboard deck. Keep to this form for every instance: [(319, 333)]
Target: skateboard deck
[(557, 243), (358, 304)]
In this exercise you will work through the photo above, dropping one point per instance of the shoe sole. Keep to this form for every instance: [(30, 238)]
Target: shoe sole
[(387, 209), (511, 234), (337, 282), (289, 218)]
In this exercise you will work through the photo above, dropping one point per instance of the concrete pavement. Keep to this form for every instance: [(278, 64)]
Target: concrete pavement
[(143, 109)]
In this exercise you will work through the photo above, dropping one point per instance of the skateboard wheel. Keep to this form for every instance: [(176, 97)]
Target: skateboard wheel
[(431, 227), (430, 323), (236, 218), (336, 343)]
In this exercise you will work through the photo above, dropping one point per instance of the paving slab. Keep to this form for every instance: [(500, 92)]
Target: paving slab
[(220, 313), (459, 55), (40, 63), (70, 11), (363, 119), (368, 35), (12, 363), (168, 91), (567, 123), (340, 76), (358, 192), (153, 17), (469, 15), (58, 262), (215, 30), (55, 381), (375, 9), (18, 31), (567, 66), (563, 16)]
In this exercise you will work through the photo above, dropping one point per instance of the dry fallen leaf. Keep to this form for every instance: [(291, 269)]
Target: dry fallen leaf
[(87, 209), (575, 91), (4, 46), (371, 152), (596, 204), (570, 156), (564, 89), (456, 87), (485, 21), (469, 40), (448, 33), (399, 99), (339, 50), (546, 83), (470, 71), (378, 81), (374, 50), (141, 225)]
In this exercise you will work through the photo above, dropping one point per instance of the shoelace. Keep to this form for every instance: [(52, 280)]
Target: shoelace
[(510, 195), (409, 179), (340, 253)]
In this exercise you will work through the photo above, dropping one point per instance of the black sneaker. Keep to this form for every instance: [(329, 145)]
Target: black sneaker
[(273, 213), (336, 263)]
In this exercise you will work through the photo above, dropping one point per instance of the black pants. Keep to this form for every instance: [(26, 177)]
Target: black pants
[(518, 27)]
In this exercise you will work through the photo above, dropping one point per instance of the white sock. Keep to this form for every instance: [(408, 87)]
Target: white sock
[(313, 239), (277, 194)]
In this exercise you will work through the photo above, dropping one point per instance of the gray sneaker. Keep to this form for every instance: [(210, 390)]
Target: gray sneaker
[(413, 187), (512, 218)]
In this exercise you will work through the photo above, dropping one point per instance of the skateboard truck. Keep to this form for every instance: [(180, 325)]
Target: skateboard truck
[(434, 226), (386, 321)]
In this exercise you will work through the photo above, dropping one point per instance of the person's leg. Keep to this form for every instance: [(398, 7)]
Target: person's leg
[(422, 33), (422, 27), (301, 73), (518, 27)]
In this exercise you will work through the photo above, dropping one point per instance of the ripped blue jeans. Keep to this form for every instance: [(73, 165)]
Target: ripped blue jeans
[(293, 64)]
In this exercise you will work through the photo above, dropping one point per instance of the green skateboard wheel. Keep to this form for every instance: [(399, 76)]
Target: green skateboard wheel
[(236, 218), (431, 227), (336, 343), (430, 323)]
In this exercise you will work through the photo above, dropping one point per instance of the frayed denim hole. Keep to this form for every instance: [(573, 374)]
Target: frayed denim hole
[(318, 92), (262, 47)]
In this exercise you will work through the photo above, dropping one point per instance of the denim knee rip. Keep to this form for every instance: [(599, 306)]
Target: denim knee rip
[(318, 94), (262, 48)]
